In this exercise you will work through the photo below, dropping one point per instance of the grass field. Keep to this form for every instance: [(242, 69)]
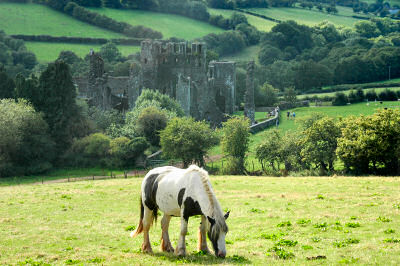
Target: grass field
[(47, 52), (247, 54), (330, 94), (341, 219), (307, 17), (34, 19), (169, 25), (259, 23)]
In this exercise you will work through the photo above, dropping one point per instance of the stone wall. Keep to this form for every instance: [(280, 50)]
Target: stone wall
[(265, 124)]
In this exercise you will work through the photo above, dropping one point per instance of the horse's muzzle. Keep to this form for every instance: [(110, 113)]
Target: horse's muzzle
[(221, 254)]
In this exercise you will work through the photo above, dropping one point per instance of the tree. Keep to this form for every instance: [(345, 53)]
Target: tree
[(280, 74), (266, 95), (290, 95), (370, 144), (269, 54), (340, 99), (269, 151), (319, 143), (309, 75), (367, 29), (25, 146), (235, 143), (6, 84), (112, 3), (150, 122), (53, 94), (110, 52), (187, 139)]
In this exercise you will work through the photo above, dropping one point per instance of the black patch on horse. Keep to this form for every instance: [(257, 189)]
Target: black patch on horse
[(180, 196), (214, 240), (150, 192), (191, 208)]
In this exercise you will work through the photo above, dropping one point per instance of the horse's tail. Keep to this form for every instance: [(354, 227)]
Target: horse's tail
[(139, 229)]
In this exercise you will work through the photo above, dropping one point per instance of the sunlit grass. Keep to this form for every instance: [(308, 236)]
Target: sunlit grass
[(87, 222)]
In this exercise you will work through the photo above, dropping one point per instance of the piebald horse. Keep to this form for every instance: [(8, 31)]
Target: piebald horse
[(181, 193)]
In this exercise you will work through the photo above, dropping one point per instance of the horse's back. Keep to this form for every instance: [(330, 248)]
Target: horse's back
[(166, 186)]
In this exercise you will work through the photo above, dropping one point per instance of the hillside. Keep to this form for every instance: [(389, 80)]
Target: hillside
[(309, 17), (169, 25), (47, 52), (34, 19)]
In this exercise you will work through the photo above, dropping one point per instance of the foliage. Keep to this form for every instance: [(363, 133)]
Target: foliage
[(235, 143), (103, 119), (187, 139), (265, 96), (369, 144), (319, 142), (6, 84), (25, 147), (340, 99), (110, 52), (150, 122), (124, 152), (225, 43)]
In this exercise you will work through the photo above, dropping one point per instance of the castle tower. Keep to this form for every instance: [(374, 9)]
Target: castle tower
[(249, 107)]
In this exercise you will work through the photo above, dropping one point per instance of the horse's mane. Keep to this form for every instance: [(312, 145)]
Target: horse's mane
[(214, 205)]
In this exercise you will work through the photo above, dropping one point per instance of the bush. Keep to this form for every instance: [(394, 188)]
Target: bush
[(150, 122), (235, 143), (370, 144), (340, 99), (188, 140), (124, 152), (25, 147)]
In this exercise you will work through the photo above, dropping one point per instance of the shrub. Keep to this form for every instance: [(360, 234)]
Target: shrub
[(187, 139), (25, 147), (235, 143), (124, 152), (340, 99), (150, 122)]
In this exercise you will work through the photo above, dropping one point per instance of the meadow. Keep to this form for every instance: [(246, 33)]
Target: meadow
[(308, 220), (47, 52), (169, 25), (308, 17), (331, 94), (260, 23), (34, 19)]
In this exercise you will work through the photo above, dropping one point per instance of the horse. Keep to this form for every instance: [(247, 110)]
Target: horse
[(181, 193)]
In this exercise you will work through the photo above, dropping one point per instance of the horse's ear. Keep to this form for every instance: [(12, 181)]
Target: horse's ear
[(227, 214), (211, 220)]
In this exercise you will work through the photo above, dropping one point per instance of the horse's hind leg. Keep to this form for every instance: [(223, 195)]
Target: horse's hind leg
[(147, 220), (202, 245), (181, 248), (165, 242)]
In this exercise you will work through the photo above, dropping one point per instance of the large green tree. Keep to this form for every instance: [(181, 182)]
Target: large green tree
[(6, 84), (188, 140)]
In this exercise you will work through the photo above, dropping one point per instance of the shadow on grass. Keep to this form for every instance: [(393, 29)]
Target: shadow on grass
[(200, 258)]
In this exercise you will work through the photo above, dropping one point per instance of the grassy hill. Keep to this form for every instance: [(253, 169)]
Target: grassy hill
[(169, 25), (47, 52), (309, 17), (330, 94), (340, 218), (34, 19), (260, 23)]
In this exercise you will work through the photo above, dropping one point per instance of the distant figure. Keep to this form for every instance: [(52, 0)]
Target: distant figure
[(288, 115), (277, 122), (294, 115)]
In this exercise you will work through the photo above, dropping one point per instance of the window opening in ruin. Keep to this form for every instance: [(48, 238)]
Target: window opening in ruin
[(199, 49), (220, 101), (145, 60)]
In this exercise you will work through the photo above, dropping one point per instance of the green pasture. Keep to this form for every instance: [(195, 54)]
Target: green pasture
[(47, 52), (34, 19), (245, 55), (331, 94), (291, 124), (260, 23), (169, 25), (305, 16), (308, 220)]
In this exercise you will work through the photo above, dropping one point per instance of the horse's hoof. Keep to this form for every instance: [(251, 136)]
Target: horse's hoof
[(205, 251)]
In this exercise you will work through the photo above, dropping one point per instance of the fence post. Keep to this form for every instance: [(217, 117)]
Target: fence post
[(125, 174), (68, 179), (93, 177)]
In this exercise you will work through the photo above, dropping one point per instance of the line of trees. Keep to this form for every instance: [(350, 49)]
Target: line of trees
[(365, 144)]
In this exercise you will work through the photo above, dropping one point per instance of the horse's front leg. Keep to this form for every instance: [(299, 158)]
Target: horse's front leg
[(165, 242), (202, 245), (181, 248)]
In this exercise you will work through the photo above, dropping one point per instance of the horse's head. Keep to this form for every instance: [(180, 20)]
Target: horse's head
[(216, 233)]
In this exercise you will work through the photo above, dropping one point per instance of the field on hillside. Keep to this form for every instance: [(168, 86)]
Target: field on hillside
[(259, 23), (247, 54), (47, 52), (34, 19), (330, 94), (307, 17), (169, 25), (330, 220)]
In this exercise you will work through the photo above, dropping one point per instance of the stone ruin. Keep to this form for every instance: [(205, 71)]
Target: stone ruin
[(249, 106), (180, 70)]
